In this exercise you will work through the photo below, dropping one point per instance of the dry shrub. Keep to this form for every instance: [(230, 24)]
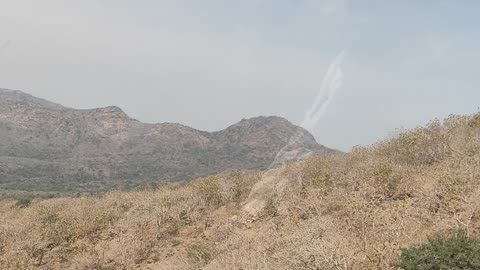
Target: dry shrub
[(421, 146), (199, 255)]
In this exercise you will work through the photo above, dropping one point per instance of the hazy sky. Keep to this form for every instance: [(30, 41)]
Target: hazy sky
[(208, 64)]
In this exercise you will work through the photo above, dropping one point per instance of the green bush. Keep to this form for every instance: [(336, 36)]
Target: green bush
[(443, 253)]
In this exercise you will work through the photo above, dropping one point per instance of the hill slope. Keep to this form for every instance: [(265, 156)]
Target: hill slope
[(45, 146), (340, 212)]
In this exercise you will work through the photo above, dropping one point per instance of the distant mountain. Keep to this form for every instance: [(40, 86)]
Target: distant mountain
[(47, 147)]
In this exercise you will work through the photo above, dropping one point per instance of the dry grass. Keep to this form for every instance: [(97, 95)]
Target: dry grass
[(349, 212)]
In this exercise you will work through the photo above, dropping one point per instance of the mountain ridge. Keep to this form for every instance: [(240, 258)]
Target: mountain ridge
[(61, 148), (116, 109)]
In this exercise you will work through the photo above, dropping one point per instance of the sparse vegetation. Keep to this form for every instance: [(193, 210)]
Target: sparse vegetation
[(373, 208)]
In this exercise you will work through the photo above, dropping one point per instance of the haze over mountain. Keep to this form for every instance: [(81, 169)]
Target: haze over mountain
[(48, 147)]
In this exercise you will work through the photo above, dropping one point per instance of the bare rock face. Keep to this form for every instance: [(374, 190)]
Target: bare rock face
[(47, 147)]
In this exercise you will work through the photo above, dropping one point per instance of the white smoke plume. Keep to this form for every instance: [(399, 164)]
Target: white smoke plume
[(331, 82)]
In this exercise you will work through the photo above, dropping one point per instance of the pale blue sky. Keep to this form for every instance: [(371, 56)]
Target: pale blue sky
[(209, 63)]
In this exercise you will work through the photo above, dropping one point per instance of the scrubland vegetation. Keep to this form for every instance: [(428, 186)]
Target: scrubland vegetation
[(374, 208)]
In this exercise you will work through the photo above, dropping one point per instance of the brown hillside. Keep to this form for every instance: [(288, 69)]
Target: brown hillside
[(344, 212)]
